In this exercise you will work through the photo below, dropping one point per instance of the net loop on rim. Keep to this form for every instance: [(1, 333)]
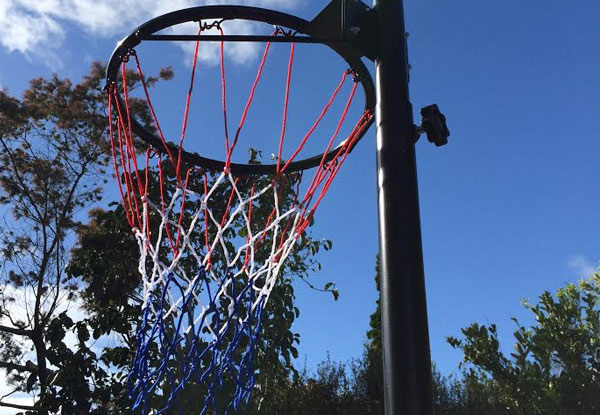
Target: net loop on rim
[(208, 263), (216, 24)]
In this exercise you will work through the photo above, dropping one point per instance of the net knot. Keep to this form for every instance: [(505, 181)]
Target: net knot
[(285, 32), (216, 24), (356, 77), (130, 52), (110, 87)]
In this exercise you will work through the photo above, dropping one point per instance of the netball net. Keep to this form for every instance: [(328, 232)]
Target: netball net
[(208, 260)]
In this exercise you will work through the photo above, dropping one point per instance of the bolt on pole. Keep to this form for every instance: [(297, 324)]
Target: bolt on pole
[(406, 356)]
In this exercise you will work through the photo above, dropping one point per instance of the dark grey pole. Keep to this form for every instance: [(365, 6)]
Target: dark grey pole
[(406, 356)]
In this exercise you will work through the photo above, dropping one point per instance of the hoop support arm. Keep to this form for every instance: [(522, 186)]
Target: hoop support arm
[(237, 38)]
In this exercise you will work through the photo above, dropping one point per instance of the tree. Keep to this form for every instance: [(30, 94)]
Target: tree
[(53, 151), (555, 368), (370, 376)]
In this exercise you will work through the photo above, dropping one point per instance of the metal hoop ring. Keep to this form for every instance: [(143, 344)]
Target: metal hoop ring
[(198, 14)]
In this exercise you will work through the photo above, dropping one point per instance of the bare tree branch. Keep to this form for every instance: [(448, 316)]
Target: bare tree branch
[(16, 331), (8, 151), (9, 393), (16, 406), (29, 367)]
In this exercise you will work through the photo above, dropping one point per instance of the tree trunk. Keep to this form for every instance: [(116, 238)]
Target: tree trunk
[(42, 370)]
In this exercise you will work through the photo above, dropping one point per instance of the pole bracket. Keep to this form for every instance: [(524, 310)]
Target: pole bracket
[(348, 21), (434, 125)]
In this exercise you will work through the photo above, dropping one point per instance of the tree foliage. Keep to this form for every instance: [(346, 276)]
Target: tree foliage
[(555, 367)]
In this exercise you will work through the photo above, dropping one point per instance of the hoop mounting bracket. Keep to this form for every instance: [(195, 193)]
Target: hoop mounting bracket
[(434, 125), (348, 21)]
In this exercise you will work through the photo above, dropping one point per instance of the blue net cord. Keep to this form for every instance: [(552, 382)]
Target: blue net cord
[(209, 365)]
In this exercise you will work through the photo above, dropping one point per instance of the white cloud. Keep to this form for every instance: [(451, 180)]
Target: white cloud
[(37, 28), (29, 33), (582, 266)]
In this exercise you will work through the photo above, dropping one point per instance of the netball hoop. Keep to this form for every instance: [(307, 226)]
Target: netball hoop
[(207, 262)]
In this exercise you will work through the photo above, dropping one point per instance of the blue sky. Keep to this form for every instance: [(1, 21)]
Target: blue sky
[(510, 207)]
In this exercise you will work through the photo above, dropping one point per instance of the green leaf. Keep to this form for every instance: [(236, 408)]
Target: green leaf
[(97, 333), (31, 382), (82, 333)]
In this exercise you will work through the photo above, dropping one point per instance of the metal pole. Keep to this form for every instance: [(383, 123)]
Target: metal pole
[(406, 357)]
